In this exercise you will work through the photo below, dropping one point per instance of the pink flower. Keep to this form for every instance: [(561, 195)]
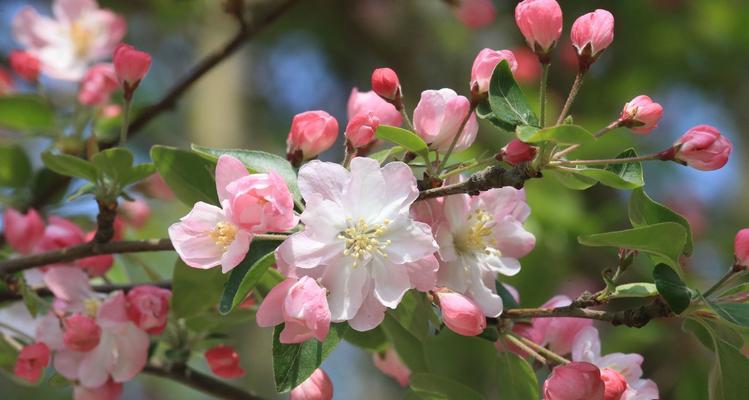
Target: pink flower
[(461, 314), (96, 265), (61, 233), (385, 83), (391, 365), (130, 66), (540, 22), (25, 64), (317, 387), (741, 247), (517, 152), (23, 231), (703, 147), (560, 333), (210, 236), (615, 384), (574, 381), (641, 114), (31, 361), (97, 85), (108, 391), (439, 116), (224, 362), (136, 212), (81, 333), (529, 70), (360, 131), (475, 13), (312, 132), (301, 305), (370, 102), (484, 64), (148, 307), (6, 83), (80, 34), (591, 34)]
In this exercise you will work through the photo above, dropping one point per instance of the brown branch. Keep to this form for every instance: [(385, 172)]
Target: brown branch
[(105, 221), (202, 382), (489, 178), (10, 296)]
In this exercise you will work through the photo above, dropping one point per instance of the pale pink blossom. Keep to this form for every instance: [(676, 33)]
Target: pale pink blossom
[(574, 381), (390, 364), (517, 152), (385, 83), (461, 314), (22, 231), (540, 22), (475, 13), (97, 85), (136, 213), (370, 102), (109, 391), (439, 116), (560, 333), (591, 34), (130, 66), (224, 362), (741, 247), (81, 333), (317, 387), (302, 307), (312, 132), (703, 147), (484, 64), (71, 288), (31, 361), (641, 114), (360, 131), (25, 64), (359, 239), (79, 34), (148, 307)]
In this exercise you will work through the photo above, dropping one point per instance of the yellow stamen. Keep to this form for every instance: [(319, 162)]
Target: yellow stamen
[(224, 234), (82, 38), (479, 236), (362, 239)]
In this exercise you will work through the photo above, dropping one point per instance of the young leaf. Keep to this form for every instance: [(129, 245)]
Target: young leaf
[(15, 167), (618, 176), (382, 155), (435, 384), (402, 137), (571, 180), (65, 164), (190, 176), (506, 99), (194, 290), (247, 274), (672, 288), (634, 290), (645, 211), (138, 173), (517, 381), (665, 239), (737, 314), (26, 113), (114, 162), (560, 134)]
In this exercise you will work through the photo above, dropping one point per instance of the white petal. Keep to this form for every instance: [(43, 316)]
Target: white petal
[(487, 299), (365, 194), (391, 282), (587, 346), (629, 365), (346, 285), (452, 275), (323, 179), (423, 273), (507, 266), (370, 314), (400, 184), (303, 251)]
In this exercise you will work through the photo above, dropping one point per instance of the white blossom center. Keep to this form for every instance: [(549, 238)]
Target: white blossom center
[(478, 236), (363, 239), (223, 234)]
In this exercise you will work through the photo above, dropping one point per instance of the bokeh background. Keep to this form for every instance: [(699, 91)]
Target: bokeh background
[(692, 56)]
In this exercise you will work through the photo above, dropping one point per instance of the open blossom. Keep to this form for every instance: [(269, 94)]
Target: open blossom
[(148, 307), (360, 131), (250, 204), (741, 247), (559, 333), (484, 64), (641, 114), (25, 64), (22, 231), (96, 265), (109, 391), (79, 34), (97, 85), (385, 83), (480, 237), (31, 361), (60, 233), (301, 305), (591, 34), (475, 13), (703, 147), (224, 362), (439, 116), (317, 387), (359, 238), (540, 22), (370, 102), (312, 132), (391, 365), (574, 381), (461, 314)]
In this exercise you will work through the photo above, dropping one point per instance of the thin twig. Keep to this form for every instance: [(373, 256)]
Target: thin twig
[(474, 103), (517, 342), (202, 382), (571, 97), (543, 350), (109, 288)]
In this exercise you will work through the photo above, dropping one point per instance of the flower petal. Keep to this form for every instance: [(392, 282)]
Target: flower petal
[(370, 314), (324, 179), (365, 193), (346, 285), (236, 251), (391, 281), (270, 312), (228, 170)]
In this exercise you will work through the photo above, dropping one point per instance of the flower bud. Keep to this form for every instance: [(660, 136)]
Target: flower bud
[(461, 314), (23, 231), (371, 102), (574, 381), (385, 83), (591, 34), (391, 365), (224, 362), (317, 387), (517, 152), (131, 66), (741, 247), (360, 131), (529, 70), (615, 384), (641, 114), (439, 116), (82, 333), (148, 307), (484, 64), (540, 22), (475, 13), (703, 147), (301, 305), (31, 361), (136, 212), (312, 132), (25, 64), (111, 390), (97, 85)]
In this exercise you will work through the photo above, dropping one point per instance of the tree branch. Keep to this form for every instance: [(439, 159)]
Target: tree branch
[(10, 296), (489, 178), (202, 382)]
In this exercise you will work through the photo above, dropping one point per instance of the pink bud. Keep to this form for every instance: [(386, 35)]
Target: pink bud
[(529, 70), (574, 381), (131, 66), (224, 362), (136, 212), (317, 387), (439, 116), (385, 83), (97, 85), (591, 34), (301, 305), (111, 390), (371, 102), (461, 314), (31, 361), (484, 64), (148, 307), (475, 13), (23, 231), (517, 152), (641, 114), (25, 64), (540, 22), (741, 247), (312, 132), (391, 365), (703, 147), (615, 384), (360, 131), (82, 333)]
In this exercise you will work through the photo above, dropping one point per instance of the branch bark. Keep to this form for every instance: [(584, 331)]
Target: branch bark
[(202, 382), (489, 178), (10, 296)]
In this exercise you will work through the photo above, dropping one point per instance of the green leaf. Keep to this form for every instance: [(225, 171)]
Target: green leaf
[(737, 314), (190, 176), (413, 314), (506, 99), (43, 180), (247, 274), (571, 180), (618, 176), (407, 346), (15, 167), (67, 165), (8, 354), (507, 299), (637, 289), (257, 161), (665, 239), (383, 154), (138, 173), (293, 363), (87, 188), (35, 304), (517, 380), (471, 361), (26, 113), (114, 163), (560, 134), (484, 111), (402, 137), (372, 340), (435, 384), (195, 290), (645, 211), (672, 288)]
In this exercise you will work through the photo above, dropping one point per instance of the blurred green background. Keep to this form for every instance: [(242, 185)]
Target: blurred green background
[(691, 56)]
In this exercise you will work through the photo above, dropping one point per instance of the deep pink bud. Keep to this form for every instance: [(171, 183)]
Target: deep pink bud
[(25, 64), (484, 64), (82, 333), (574, 381), (516, 152), (148, 307), (704, 148), (131, 66), (317, 387), (23, 231), (312, 132), (475, 13), (741, 247), (224, 362), (385, 83), (461, 314), (591, 34), (31, 361), (615, 384), (97, 85), (360, 131), (540, 22), (641, 114)]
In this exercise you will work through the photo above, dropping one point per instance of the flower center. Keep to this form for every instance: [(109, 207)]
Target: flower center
[(81, 37), (91, 307), (362, 239), (224, 234), (478, 236)]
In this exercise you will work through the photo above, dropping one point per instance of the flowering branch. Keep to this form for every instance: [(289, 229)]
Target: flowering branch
[(200, 381), (489, 178), (10, 296)]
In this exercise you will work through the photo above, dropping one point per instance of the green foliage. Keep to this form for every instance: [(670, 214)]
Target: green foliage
[(665, 240), (469, 360), (372, 340), (645, 211), (517, 380), (507, 299), (571, 180), (617, 176), (35, 304), (413, 313), (560, 134), (634, 290), (195, 290), (737, 314), (506, 100), (404, 138), (672, 288), (428, 385), (26, 113), (406, 344), (15, 167), (383, 154), (8, 355), (190, 176), (67, 165), (247, 274)]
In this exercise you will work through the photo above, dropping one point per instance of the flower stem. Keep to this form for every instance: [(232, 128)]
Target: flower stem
[(517, 342), (732, 272), (125, 122), (467, 167), (474, 104), (543, 350), (655, 156), (598, 134), (407, 120), (348, 153), (544, 83), (571, 97)]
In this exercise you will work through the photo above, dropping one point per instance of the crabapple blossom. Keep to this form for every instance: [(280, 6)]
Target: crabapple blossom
[(96, 265), (224, 362), (371, 102), (60, 233), (130, 66), (390, 364), (560, 333), (540, 22), (25, 64), (591, 34), (148, 306), (301, 306), (109, 391), (517, 152), (741, 247), (703, 147), (385, 83), (615, 385), (31, 361), (317, 387), (97, 85), (81, 333), (439, 117), (484, 64), (641, 114), (80, 34), (475, 13), (461, 314), (360, 130), (311, 133), (22, 231), (574, 381)]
